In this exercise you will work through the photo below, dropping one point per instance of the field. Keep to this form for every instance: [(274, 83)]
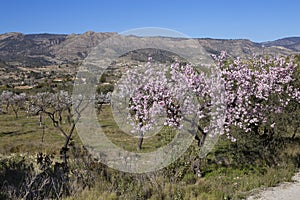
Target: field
[(225, 173), (37, 161)]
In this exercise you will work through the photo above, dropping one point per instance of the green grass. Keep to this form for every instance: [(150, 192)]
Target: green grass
[(24, 135), (224, 183), (128, 141)]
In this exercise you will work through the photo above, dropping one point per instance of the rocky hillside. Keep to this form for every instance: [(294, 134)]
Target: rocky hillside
[(292, 43), (36, 50), (244, 48), (46, 49)]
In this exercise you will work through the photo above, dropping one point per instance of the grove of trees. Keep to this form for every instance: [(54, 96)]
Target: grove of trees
[(246, 94)]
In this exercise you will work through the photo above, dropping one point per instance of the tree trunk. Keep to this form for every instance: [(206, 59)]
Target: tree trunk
[(294, 134), (43, 134), (140, 142), (6, 108), (196, 164), (64, 154), (40, 119), (16, 114), (202, 139)]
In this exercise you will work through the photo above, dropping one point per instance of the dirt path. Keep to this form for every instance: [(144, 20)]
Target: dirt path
[(285, 191)]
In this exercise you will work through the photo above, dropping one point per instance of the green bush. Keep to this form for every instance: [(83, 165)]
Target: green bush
[(105, 88)]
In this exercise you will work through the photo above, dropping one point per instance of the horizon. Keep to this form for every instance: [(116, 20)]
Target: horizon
[(258, 21), (50, 33)]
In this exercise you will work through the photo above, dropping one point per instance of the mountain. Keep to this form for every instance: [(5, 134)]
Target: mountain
[(46, 49), (292, 43), (242, 47), (36, 50)]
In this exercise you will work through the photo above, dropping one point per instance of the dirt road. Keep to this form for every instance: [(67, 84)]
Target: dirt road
[(285, 191)]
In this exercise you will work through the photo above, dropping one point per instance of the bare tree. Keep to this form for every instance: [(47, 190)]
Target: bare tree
[(58, 107)]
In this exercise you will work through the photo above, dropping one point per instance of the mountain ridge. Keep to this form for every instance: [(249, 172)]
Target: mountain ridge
[(292, 43), (35, 50)]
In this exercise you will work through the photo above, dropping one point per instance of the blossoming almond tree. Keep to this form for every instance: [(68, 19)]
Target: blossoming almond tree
[(253, 89), (6, 97), (17, 102), (13, 100), (161, 95), (256, 89)]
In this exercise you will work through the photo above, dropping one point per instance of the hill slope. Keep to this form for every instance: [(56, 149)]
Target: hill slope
[(35, 50), (292, 43)]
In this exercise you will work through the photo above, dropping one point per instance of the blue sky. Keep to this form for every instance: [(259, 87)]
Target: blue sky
[(257, 20)]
